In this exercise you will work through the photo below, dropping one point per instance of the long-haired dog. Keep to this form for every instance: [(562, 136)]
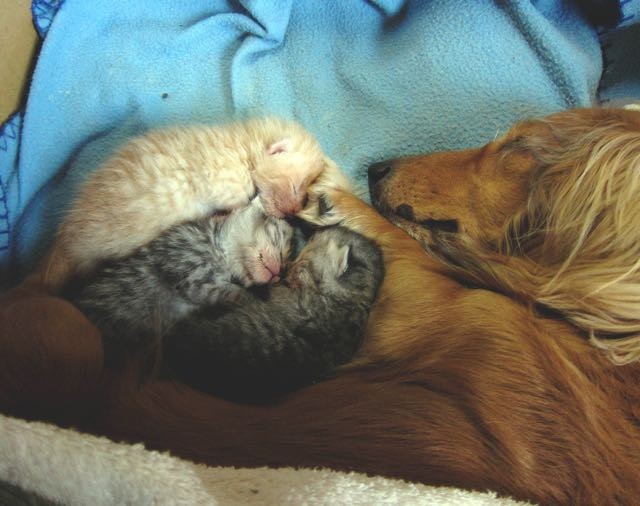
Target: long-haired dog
[(478, 369), (548, 213)]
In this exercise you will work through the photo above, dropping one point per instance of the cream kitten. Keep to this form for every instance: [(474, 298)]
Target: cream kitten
[(178, 174)]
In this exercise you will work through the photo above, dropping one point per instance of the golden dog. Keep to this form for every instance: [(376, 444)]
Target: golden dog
[(478, 369), (548, 213)]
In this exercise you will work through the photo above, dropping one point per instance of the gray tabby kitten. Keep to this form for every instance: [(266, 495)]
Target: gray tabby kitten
[(134, 301), (305, 328)]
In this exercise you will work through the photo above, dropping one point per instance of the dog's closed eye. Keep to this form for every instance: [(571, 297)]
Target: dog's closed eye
[(449, 226)]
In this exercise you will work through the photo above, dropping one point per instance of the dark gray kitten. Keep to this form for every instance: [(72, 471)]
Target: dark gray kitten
[(305, 328), (135, 301)]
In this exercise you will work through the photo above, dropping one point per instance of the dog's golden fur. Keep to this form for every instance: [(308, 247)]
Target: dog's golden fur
[(456, 384), (548, 212)]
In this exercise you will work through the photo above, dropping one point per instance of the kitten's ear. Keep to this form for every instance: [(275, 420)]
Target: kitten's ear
[(343, 259), (281, 146)]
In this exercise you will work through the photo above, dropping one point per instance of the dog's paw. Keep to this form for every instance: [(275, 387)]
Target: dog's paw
[(321, 209)]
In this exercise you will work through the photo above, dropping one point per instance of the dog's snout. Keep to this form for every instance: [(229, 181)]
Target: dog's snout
[(379, 170)]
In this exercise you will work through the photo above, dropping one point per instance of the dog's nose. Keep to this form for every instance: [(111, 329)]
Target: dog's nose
[(379, 170)]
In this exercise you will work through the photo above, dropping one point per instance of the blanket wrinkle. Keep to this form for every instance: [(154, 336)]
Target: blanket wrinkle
[(272, 17), (389, 8)]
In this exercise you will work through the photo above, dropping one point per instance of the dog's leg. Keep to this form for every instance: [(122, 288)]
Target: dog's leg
[(344, 208)]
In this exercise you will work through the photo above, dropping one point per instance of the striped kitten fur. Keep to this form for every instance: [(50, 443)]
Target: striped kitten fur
[(303, 330), (134, 301)]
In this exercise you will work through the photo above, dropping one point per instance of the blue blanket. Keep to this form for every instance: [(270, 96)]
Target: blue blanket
[(372, 79)]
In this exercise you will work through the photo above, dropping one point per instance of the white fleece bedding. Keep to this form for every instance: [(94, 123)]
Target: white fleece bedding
[(78, 469)]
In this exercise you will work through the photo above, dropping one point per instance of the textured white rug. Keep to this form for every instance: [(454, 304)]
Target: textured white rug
[(77, 469)]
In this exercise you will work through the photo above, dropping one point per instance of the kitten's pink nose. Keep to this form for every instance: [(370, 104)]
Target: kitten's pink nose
[(273, 266), (292, 206), (290, 209)]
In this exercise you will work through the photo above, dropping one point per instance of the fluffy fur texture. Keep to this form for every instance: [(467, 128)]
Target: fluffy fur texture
[(454, 384), (166, 177), (136, 300), (549, 212), (300, 334)]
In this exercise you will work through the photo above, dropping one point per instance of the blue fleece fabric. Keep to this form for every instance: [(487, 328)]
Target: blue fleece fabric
[(371, 79)]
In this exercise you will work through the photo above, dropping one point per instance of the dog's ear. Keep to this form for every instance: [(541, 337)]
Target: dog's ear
[(521, 233)]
